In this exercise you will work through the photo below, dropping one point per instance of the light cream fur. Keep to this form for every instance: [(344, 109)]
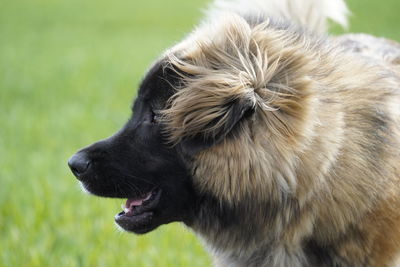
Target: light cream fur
[(312, 14)]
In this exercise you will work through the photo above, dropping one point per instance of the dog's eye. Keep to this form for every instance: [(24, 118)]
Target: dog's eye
[(155, 116)]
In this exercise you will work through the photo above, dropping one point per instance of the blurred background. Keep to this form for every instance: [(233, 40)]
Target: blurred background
[(68, 72)]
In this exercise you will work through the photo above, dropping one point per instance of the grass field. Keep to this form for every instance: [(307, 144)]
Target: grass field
[(68, 72)]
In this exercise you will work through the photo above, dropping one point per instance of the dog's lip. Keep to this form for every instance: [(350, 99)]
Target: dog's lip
[(138, 212)]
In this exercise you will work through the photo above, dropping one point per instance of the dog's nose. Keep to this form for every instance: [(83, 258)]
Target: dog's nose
[(79, 164)]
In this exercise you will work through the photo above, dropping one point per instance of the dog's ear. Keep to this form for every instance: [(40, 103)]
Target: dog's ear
[(222, 126), (217, 89)]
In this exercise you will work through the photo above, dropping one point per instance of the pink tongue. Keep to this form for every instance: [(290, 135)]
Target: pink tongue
[(131, 202)]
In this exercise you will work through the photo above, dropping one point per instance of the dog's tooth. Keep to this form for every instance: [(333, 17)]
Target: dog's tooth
[(124, 208)]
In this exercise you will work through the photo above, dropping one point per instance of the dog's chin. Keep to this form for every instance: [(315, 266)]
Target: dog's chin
[(138, 224), (139, 214)]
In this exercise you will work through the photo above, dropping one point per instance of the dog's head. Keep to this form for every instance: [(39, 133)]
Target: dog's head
[(136, 163), (199, 128)]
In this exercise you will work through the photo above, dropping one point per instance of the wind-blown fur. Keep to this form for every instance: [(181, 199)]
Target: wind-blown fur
[(312, 176)]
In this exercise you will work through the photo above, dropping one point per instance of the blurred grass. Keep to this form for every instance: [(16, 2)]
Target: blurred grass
[(379, 18), (68, 72)]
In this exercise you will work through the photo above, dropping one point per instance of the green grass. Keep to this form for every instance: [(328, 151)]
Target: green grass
[(68, 72)]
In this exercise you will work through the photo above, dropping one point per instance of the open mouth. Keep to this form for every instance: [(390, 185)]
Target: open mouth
[(138, 212)]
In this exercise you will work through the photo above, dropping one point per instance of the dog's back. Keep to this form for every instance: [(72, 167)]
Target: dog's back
[(379, 50)]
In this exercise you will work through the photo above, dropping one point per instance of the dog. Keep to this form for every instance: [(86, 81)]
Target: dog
[(278, 145)]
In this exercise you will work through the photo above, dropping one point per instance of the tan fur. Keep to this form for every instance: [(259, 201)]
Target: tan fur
[(319, 160)]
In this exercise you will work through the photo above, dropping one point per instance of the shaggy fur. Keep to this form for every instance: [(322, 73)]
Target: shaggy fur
[(278, 146), (316, 167)]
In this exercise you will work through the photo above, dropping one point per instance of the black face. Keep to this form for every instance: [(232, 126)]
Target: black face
[(137, 164)]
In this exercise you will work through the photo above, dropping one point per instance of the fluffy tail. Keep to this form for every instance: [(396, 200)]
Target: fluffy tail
[(312, 14)]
